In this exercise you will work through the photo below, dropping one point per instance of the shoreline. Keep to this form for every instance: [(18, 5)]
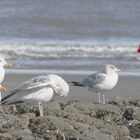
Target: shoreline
[(127, 87), (65, 72)]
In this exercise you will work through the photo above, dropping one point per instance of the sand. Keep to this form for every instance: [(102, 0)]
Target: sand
[(126, 87)]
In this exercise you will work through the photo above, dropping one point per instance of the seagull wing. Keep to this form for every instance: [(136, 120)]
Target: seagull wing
[(30, 86), (38, 81), (94, 79)]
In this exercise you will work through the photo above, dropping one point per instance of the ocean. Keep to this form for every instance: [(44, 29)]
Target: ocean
[(70, 37)]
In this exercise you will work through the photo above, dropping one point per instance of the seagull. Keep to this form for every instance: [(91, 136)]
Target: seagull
[(3, 64), (38, 89), (101, 82)]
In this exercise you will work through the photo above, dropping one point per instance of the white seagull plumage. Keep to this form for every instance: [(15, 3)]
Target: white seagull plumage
[(101, 82), (38, 89), (3, 64)]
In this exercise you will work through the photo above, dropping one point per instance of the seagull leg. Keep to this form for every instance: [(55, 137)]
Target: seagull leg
[(104, 100), (40, 108), (0, 97), (99, 97), (1, 104)]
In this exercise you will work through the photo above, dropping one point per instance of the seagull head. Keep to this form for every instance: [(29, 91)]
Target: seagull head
[(111, 68), (59, 85), (4, 63)]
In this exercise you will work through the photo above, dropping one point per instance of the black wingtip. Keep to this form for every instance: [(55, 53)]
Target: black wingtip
[(10, 103), (4, 103), (74, 83)]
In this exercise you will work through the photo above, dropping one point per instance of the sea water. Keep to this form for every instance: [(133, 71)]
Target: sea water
[(70, 37)]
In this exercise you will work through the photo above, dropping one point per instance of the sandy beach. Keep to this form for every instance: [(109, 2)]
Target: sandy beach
[(126, 87)]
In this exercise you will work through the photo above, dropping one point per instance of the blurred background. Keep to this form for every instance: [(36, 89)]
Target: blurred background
[(70, 37)]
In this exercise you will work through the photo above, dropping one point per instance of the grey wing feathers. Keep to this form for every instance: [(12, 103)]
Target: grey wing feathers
[(8, 96), (35, 82), (94, 79), (29, 86)]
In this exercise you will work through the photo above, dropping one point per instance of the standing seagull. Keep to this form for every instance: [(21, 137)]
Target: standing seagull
[(38, 89), (3, 64), (101, 82)]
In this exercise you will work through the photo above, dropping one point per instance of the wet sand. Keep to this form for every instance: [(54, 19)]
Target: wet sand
[(126, 87)]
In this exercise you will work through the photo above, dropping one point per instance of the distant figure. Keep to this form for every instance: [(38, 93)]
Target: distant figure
[(138, 50), (3, 64), (39, 89), (101, 82)]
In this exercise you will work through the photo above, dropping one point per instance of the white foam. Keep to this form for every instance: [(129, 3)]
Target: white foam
[(37, 50)]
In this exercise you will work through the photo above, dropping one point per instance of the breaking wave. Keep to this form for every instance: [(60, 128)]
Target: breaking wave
[(23, 50)]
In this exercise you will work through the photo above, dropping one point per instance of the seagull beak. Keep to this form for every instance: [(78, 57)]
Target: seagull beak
[(7, 65), (50, 86)]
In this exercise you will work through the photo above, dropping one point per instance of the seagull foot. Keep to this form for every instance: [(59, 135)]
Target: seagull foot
[(101, 102)]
